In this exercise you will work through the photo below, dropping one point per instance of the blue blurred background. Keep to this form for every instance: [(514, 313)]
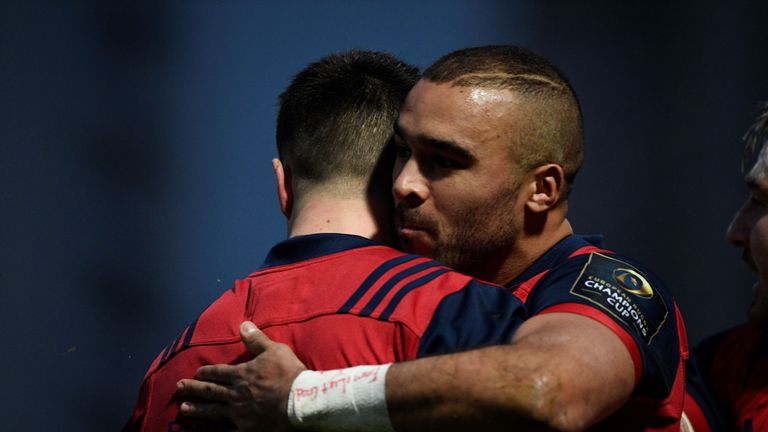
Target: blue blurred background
[(135, 141)]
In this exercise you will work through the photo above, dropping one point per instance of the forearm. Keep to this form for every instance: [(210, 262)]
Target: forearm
[(562, 372), (475, 389), (444, 393)]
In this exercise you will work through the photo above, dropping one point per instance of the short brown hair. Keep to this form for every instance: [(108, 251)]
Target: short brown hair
[(555, 134), (337, 116), (755, 138)]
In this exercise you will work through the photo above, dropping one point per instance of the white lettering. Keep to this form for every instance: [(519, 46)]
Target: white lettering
[(619, 301)]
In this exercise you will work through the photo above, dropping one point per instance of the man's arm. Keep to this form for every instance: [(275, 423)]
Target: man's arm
[(562, 371)]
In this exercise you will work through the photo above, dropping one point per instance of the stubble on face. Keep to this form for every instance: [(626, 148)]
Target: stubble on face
[(755, 247), (468, 216), (476, 241)]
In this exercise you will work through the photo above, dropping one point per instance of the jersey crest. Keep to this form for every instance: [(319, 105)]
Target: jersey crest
[(624, 292)]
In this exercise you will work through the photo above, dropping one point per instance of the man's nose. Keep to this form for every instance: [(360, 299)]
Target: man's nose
[(409, 186), (738, 230)]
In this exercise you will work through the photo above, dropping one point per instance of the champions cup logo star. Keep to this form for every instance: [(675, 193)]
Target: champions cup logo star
[(633, 282)]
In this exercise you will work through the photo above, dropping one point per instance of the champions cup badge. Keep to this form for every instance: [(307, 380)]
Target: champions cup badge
[(623, 292), (632, 282)]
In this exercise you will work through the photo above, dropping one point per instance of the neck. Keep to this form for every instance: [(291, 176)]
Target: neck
[(527, 249), (318, 215)]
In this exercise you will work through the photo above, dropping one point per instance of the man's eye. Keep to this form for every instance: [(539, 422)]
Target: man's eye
[(445, 162), (402, 152)]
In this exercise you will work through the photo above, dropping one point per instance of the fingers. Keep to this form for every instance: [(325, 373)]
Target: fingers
[(206, 410), (220, 374), (256, 341), (204, 390)]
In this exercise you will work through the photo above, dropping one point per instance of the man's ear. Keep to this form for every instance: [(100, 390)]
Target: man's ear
[(284, 187), (548, 188)]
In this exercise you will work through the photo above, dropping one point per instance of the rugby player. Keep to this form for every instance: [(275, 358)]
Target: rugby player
[(489, 144), (727, 383), (333, 291)]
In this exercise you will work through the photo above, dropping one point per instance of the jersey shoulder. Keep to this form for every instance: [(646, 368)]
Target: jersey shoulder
[(631, 300), (615, 285)]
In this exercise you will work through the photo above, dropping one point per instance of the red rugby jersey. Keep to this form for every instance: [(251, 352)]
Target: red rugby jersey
[(727, 381), (337, 301)]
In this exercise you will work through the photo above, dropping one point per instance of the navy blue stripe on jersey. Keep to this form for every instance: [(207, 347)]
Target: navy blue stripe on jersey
[(394, 280), (410, 286), (163, 354), (169, 351), (302, 248), (590, 280), (178, 344), (557, 255), (372, 278), (478, 315), (188, 336)]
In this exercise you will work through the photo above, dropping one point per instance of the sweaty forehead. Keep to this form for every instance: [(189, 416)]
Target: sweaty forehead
[(487, 97), (451, 94), (446, 108)]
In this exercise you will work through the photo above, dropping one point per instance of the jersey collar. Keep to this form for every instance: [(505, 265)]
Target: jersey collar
[(306, 247), (558, 254)]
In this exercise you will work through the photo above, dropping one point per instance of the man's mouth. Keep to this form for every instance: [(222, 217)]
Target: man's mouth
[(409, 221), (411, 230), (408, 225)]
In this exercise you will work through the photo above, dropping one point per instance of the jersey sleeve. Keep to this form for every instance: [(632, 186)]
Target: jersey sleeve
[(478, 315), (631, 302)]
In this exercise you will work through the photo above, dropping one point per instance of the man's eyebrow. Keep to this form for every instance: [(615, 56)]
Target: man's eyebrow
[(446, 146), (449, 147)]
